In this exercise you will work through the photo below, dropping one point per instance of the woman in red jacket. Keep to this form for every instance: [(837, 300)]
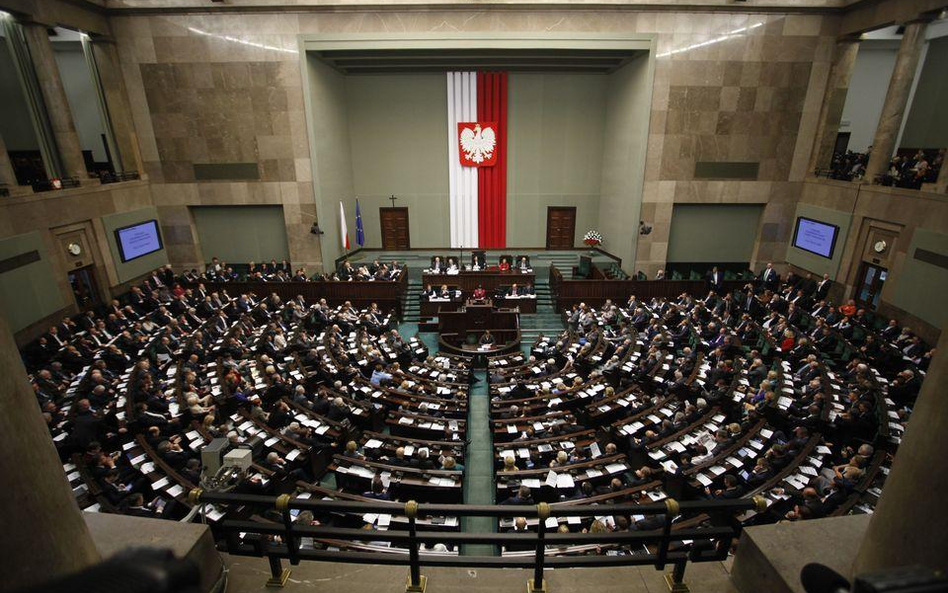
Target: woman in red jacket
[(786, 345)]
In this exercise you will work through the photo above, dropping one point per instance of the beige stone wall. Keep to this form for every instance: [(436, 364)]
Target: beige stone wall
[(73, 213), (199, 98), (227, 86), (891, 209)]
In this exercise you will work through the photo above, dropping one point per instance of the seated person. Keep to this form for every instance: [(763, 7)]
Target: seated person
[(504, 265), (487, 339), (524, 265), (478, 261), (452, 266), (430, 292), (445, 293), (436, 266), (479, 293), (514, 290), (527, 290)]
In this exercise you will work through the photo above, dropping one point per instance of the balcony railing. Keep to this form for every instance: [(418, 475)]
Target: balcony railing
[(668, 545)]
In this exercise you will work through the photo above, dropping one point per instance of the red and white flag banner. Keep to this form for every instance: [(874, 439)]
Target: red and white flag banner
[(477, 160)]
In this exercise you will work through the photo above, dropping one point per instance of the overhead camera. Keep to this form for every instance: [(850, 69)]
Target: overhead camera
[(224, 465), (644, 229)]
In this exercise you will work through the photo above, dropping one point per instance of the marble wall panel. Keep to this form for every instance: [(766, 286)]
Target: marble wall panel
[(226, 87)]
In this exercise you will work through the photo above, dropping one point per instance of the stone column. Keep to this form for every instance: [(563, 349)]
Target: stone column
[(57, 106), (116, 99), (831, 112), (44, 534), (7, 177), (941, 184), (909, 525), (896, 99)]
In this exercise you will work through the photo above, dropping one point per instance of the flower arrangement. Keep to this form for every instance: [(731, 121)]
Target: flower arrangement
[(592, 238)]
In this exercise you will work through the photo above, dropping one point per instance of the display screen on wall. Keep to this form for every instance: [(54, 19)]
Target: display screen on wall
[(815, 236), (138, 239)]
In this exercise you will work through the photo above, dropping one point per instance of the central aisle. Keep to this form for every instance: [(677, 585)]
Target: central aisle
[(479, 465)]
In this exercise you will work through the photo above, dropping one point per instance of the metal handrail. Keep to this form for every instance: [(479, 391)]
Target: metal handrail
[(708, 543)]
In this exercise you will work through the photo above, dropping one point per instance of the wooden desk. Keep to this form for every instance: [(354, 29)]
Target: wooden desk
[(489, 279), (594, 292), (387, 294), (431, 308), (527, 306), (459, 331)]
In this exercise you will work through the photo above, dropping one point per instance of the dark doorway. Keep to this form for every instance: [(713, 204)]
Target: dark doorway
[(394, 228), (84, 287), (560, 227), (869, 287), (842, 142)]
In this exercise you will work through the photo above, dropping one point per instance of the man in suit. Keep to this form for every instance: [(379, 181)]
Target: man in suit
[(822, 289), (892, 331), (346, 271), (167, 275), (770, 278), (749, 304), (523, 496), (714, 281)]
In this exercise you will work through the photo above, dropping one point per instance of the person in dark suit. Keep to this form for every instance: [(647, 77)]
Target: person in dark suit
[(522, 496), (749, 304), (770, 278), (280, 416), (338, 410), (87, 425), (732, 489), (487, 339), (714, 281), (135, 506), (822, 289)]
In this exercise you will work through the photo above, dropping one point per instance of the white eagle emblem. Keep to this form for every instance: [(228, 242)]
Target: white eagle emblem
[(478, 144)]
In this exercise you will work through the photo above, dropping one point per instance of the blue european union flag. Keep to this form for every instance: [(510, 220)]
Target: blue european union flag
[(360, 234)]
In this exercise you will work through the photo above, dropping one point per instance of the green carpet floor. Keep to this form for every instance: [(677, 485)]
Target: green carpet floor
[(479, 466), (479, 456)]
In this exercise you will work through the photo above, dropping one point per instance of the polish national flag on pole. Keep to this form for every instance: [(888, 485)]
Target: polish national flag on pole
[(343, 229)]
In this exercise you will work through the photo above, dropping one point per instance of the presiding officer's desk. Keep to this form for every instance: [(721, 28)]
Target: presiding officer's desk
[(527, 304), (490, 279)]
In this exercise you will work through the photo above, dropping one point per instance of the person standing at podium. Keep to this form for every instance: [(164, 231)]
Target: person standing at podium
[(479, 293), (487, 339)]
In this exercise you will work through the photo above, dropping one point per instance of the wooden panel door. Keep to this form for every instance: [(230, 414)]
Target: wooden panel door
[(560, 227), (394, 228)]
